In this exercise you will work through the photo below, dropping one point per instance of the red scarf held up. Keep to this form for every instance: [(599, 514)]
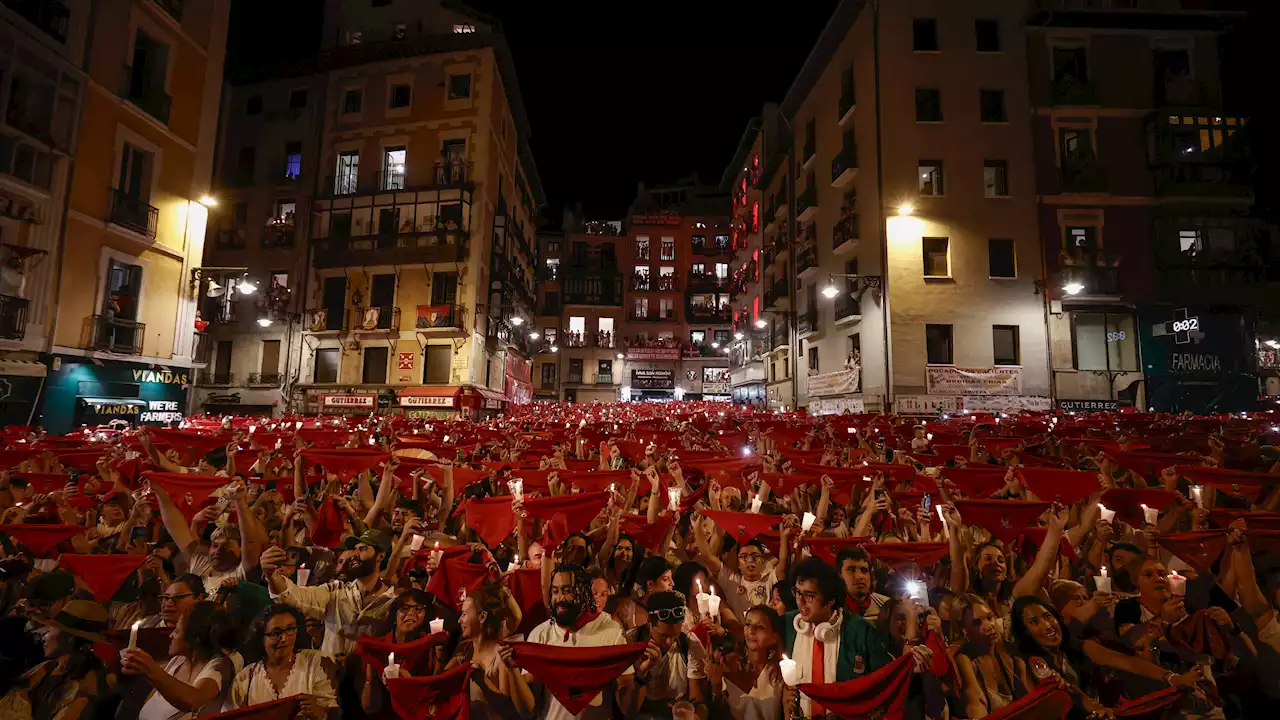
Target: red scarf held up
[(525, 585), (188, 491), (881, 694), (742, 526), (644, 534), (1004, 519), (565, 515), (436, 697), (1236, 482), (491, 518), (1066, 486), (453, 578), (924, 554), (190, 446), (83, 460), (1030, 539), (1148, 707), (576, 675), (330, 526), (346, 464), (828, 548), (1200, 634), (10, 459), (1128, 502), (1045, 702), (1198, 548), (102, 574), (977, 484), (375, 651), (40, 539), (282, 709), (1146, 464), (45, 482)]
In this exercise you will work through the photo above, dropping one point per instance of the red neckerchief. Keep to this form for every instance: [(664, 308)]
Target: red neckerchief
[(580, 623), (851, 602)]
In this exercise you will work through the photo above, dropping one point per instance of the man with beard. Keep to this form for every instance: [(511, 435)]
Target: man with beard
[(574, 622), (860, 583), (223, 558), (355, 604)]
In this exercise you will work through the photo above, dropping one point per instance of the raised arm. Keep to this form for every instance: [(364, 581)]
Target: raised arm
[(174, 521), (1030, 583)]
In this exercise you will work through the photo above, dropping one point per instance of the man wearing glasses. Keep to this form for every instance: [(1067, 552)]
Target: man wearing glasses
[(828, 643), (176, 601), (673, 666)]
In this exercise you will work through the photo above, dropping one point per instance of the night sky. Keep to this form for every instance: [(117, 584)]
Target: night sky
[(654, 95), (653, 92)]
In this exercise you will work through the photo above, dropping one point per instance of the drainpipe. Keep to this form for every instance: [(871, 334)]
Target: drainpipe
[(884, 217)]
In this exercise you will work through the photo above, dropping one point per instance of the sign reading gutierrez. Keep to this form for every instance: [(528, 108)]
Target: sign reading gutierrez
[(349, 401), (948, 380)]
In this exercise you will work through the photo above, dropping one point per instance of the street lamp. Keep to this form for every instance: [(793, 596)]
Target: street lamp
[(533, 335), (517, 321), (860, 282), (762, 323), (245, 287), (739, 336), (830, 291), (906, 209), (620, 356), (264, 322), (1073, 288)]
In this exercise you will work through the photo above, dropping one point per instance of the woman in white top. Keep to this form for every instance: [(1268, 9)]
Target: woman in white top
[(195, 680), (286, 668), (752, 685)]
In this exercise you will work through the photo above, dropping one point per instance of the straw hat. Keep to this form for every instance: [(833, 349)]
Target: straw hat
[(81, 618)]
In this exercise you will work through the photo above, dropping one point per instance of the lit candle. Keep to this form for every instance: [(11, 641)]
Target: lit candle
[(704, 600), (1197, 495), (415, 543), (1177, 583), (133, 634), (392, 670), (303, 575), (437, 626), (297, 426), (1105, 515), (807, 522), (437, 554), (517, 488), (1150, 515), (252, 429), (790, 674), (511, 567), (1102, 582), (713, 604), (755, 504), (673, 499)]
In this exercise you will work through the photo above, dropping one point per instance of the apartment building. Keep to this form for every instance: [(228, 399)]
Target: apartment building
[(1155, 268), (415, 195), (128, 92), (676, 261)]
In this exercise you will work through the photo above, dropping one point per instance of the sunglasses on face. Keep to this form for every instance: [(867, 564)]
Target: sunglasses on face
[(675, 614)]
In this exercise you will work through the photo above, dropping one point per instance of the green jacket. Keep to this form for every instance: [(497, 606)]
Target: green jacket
[(861, 651)]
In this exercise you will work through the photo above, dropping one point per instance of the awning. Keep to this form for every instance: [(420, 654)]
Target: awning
[(134, 402), (429, 396), (488, 394), (23, 368)]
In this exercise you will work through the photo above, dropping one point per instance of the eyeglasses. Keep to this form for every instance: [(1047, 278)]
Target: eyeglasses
[(175, 597), (675, 614), (751, 557), (282, 632), (806, 595), (419, 609)]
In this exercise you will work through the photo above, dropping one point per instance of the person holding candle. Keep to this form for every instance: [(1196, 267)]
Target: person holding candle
[(990, 678), (673, 665), (284, 667), (72, 682), (195, 680), (750, 683)]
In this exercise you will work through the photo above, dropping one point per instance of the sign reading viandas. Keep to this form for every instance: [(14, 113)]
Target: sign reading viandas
[(949, 380)]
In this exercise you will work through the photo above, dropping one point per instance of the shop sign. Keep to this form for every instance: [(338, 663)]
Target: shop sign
[(840, 382), (1088, 405), (162, 411), (653, 353), (949, 380), (836, 406), (405, 360), (653, 379), (445, 401), (1005, 403), (926, 404), (157, 376), (348, 401)]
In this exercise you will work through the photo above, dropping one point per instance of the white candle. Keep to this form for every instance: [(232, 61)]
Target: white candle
[(392, 670), (807, 522), (437, 626), (1105, 515), (252, 429), (303, 575), (704, 600), (517, 488), (133, 634), (1177, 583), (297, 426), (415, 543), (1102, 582), (1197, 495), (437, 554), (713, 604), (755, 504), (1150, 515), (790, 674), (511, 567), (673, 499)]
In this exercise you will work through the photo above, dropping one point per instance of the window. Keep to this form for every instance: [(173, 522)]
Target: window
[(146, 76), (297, 99), (995, 178), (931, 177), (437, 364), (991, 106), (459, 87), (444, 288), (1070, 64), (928, 105), (326, 366), (722, 270), (400, 96), (375, 365), (347, 174), (270, 362), (935, 257), (1075, 145), (280, 279), (1190, 241), (1103, 341), (292, 160), (401, 32), (924, 35), (604, 371), (135, 171), (698, 269), (813, 360), (352, 101), (697, 337), (241, 212), (253, 106), (1001, 261), (641, 308), (937, 342), (642, 248), (987, 35), (286, 210), (575, 370), (245, 162), (392, 168), (1004, 344), (548, 375), (463, 29), (666, 308), (668, 248)]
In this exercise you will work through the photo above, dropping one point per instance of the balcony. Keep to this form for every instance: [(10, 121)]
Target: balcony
[(213, 378), (201, 349), (847, 308), (844, 167), (848, 104), (807, 323), (445, 245), (710, 314), (604, 378), (776, 298), (137, 90), (770, 219), (442, 175), (133, 214), (1069, 90), (573, 340), (807, 204), (1097, 280), (573, 378), (649, 283), (780, 207), (701, 351), (278, 235), (1082, 175), (322, 321), (605, 339), (1212, 180), (13, 317), (591, 290), (107, 333), (707, 282), (440, 321), (710, 248), (657, 316), (845, 235), (375, 319), (807, 262), (50, 16), (266, 379)]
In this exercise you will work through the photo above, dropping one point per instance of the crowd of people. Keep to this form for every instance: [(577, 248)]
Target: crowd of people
[(682, 560)]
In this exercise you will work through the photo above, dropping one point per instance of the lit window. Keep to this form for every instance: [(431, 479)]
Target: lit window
[(463, 29), (930, 172)]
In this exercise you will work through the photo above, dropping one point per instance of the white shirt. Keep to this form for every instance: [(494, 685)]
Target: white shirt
[(742, 595), (201, 564), (828, 633), (308, 677), (347, 615), (669, 680), (219, 670), (601, 632), (764, 702)]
